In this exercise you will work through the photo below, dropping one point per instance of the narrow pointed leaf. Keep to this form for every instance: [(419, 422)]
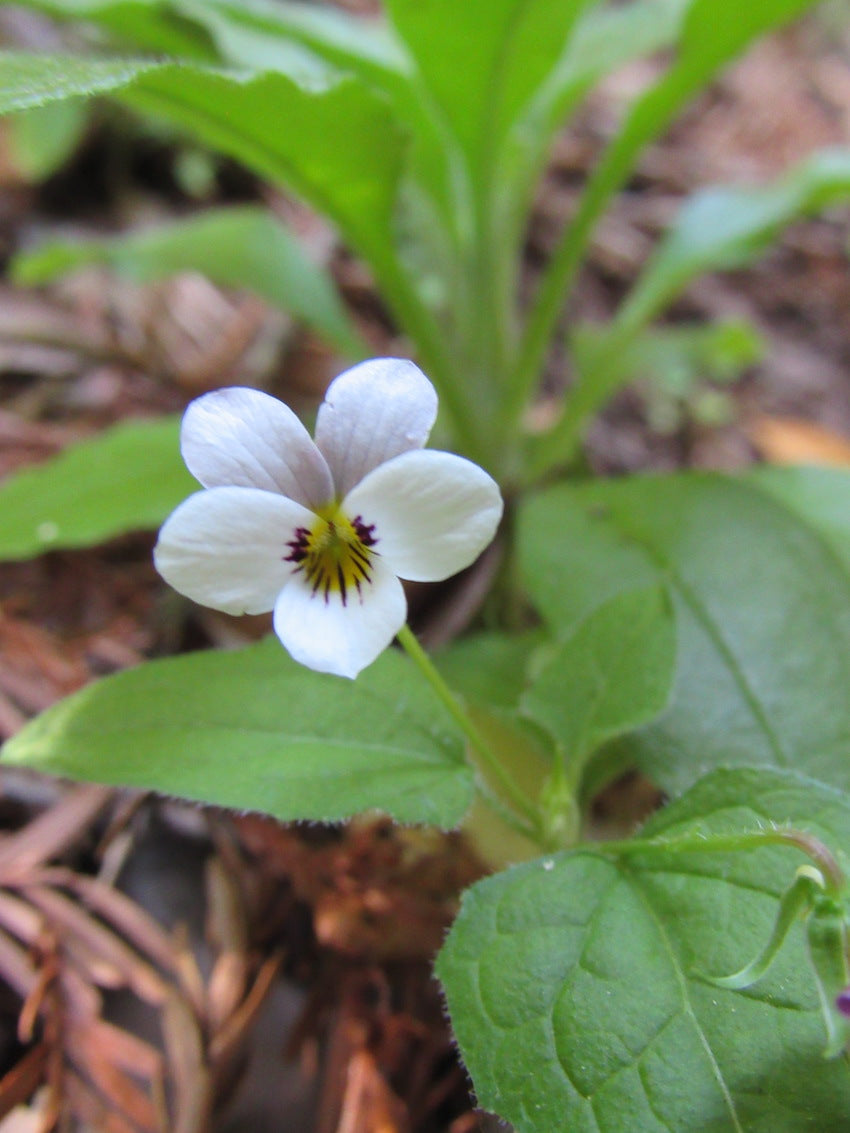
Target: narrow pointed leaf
[(252, 729), (714, 32), (237, 247), (727, 227), (330, 139), (484, 59)]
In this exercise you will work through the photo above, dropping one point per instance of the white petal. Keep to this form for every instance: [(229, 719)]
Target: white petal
[(332, 638), (244, 437), (227, 548), (434, 513), (370, 414)]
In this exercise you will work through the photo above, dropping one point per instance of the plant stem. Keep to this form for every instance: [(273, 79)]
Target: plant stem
[(819, 853), (423, 329), (490, 761)]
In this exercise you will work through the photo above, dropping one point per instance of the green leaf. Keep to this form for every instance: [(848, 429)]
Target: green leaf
[(254, 32), (717, 229), (612, 674), (673, 359), (127, 478), (714, 32), (235, 247), (761, 608), (340, 149), (483, 60), (604, 39), (573, 984), (254, 730), (489, 668), (819, 496), (43, 138), (727, 227), (152, 25), (36, 80)]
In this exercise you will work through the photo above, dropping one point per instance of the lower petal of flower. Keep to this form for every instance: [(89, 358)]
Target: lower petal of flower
[(325, 634), (226, 547)]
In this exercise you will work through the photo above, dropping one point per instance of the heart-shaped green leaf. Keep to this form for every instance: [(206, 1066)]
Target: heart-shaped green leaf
[(575, 982), (762, 608)]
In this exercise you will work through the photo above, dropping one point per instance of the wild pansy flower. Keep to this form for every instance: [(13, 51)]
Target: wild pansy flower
[(321, 531)]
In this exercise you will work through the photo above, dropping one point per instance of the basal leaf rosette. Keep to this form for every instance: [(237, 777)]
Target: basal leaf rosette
[(321, 531)]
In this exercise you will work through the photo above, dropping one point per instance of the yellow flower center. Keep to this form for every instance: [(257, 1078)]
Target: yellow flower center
[(335, 554)]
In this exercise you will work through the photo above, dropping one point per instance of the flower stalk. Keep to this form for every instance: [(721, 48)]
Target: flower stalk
[(488, 758)]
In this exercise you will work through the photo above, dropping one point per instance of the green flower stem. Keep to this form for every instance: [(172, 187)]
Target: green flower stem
[(834, 880), (490, 761)]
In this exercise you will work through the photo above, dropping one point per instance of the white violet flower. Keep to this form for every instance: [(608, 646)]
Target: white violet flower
[(321, 531)]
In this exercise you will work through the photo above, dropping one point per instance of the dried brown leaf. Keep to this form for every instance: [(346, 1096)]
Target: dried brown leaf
[(226, 1039), (369, 1105), (101, 942), (92, 1056), (16, 966), (790, 440), (122, 913), (51, 832), (185, 1055), (20, 1083)]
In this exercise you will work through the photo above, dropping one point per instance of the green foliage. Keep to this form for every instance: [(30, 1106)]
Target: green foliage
[(692, 624), (43, 138), (722, 228), (422, 139), (717, 229), (575, 983), (129, 477), (609, 676), (819, 496), (235, 247), (674, 365), (762, 612), (254, 730), (490, 668)]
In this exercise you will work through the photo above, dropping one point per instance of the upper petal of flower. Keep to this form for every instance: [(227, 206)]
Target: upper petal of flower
[(341, 639), (226, 547), (244, 437), (433, 512), (370, 414)]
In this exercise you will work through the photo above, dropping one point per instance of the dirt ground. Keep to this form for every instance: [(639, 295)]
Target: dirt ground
[(226, 969)]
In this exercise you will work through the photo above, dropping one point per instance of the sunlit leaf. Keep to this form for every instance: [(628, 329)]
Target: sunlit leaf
[(330, 139), (484, 59)]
